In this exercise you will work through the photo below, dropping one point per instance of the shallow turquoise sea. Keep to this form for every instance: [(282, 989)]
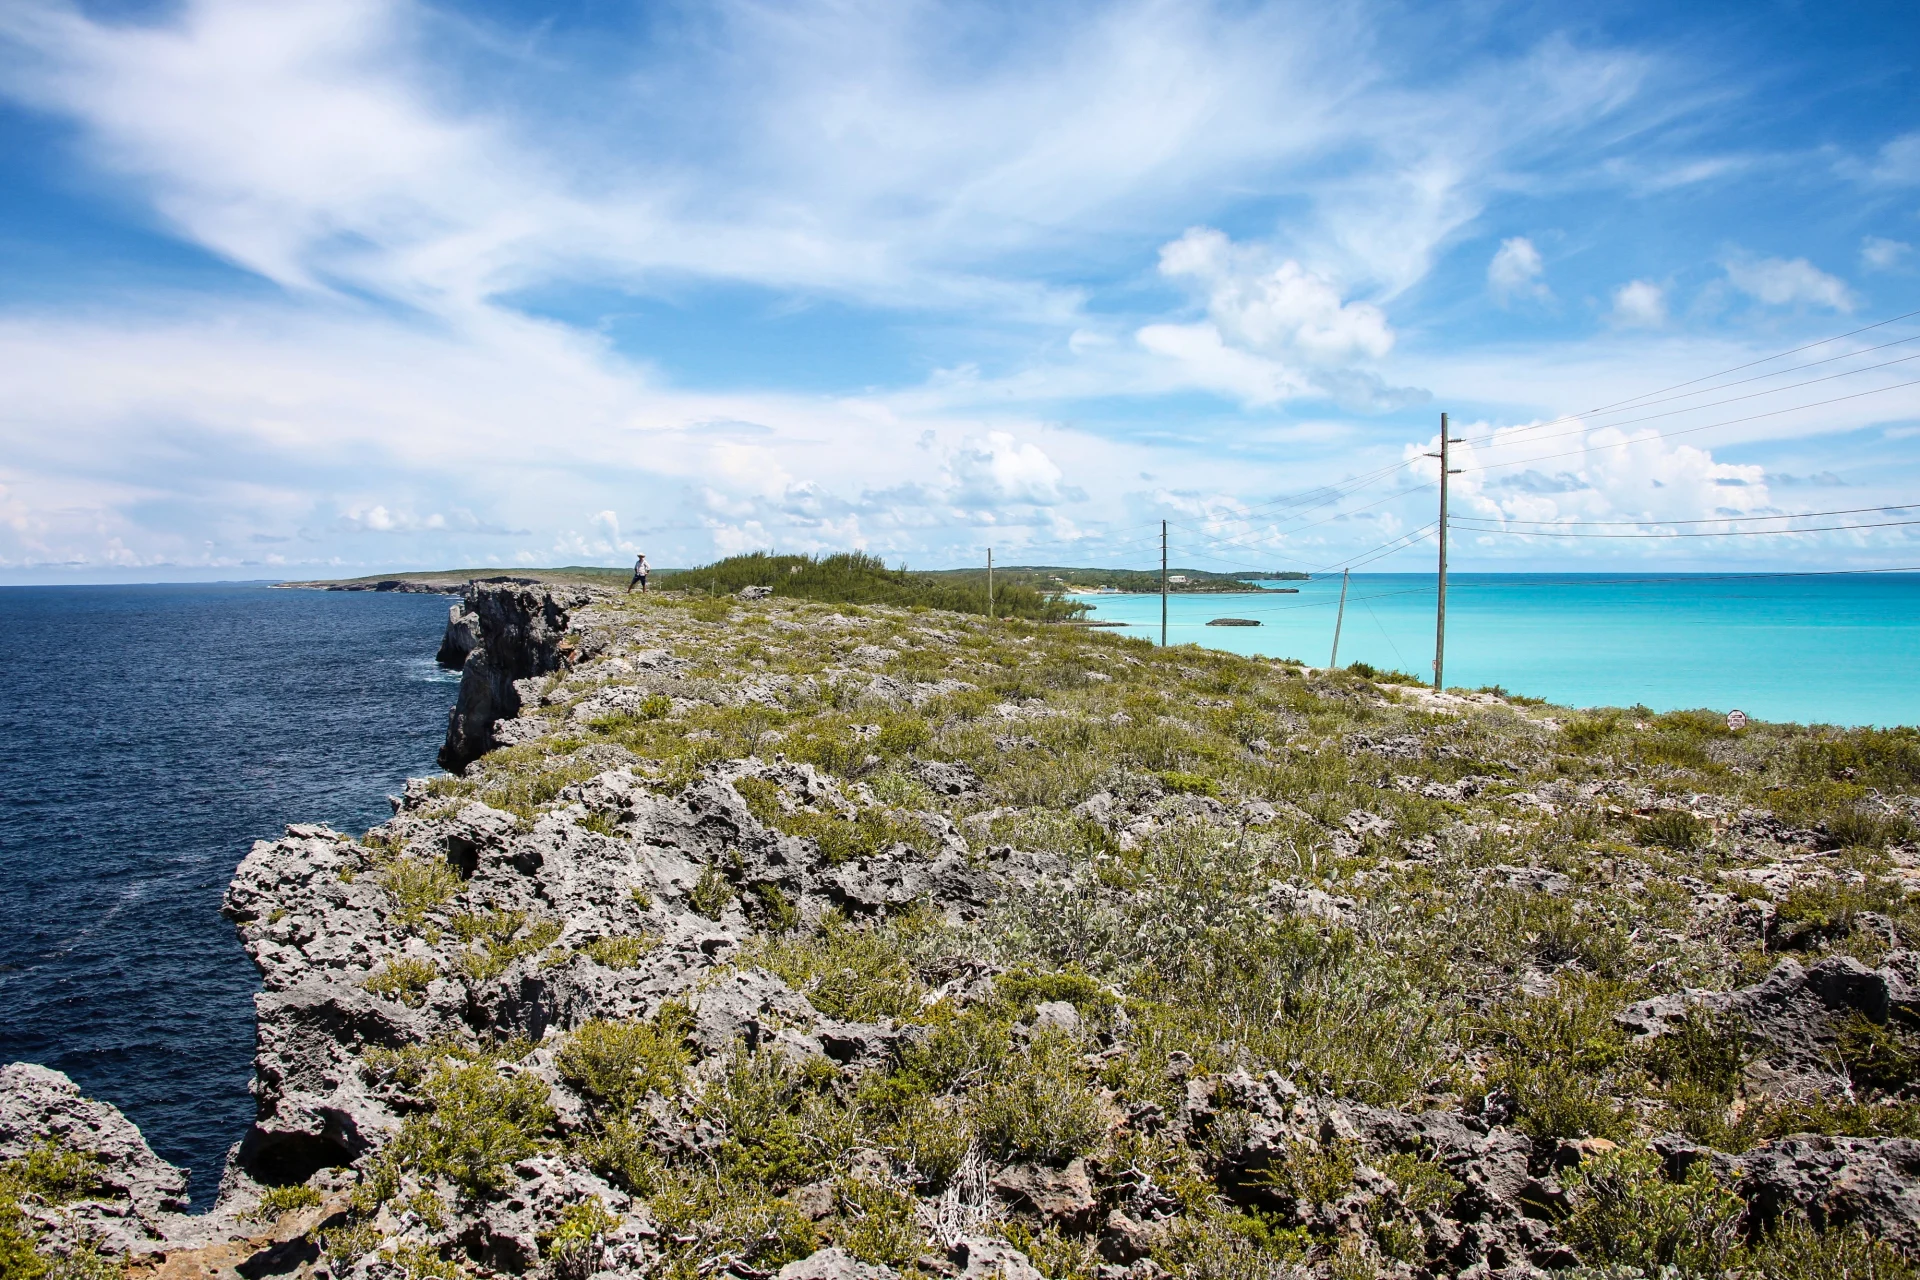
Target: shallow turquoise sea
[(1841, 649)]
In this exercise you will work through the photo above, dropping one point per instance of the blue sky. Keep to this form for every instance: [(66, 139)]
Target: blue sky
[(313, 286)]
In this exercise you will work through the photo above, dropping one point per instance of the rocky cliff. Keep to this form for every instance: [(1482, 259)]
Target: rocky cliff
[(762, 938)]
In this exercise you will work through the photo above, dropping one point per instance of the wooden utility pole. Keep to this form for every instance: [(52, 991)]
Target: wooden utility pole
[(1338, 619), (1440, 615), (989, 584), (1163, 584)]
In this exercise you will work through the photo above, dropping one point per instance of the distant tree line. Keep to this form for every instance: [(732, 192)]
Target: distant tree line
[(856, 577)]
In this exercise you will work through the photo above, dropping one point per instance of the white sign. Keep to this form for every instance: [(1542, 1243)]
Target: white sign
[(1736, 720)]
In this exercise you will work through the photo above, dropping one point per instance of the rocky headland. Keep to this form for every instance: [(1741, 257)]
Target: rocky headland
[(761, 937)]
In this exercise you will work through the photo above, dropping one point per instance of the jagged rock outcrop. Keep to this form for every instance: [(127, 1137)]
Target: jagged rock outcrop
[(509, 632), (1794, 1016), (135, 1194), (461, 637), (894, 996)]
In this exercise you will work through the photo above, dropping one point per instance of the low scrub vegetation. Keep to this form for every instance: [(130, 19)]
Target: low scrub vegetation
[(1203, 865), (858, 578)]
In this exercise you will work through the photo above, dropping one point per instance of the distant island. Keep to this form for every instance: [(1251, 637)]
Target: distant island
[(1040, 593)]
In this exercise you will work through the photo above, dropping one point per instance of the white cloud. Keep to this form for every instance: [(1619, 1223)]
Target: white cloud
[(1274, 329), (1599, 473), (1877, 253), (1206, 361), (1780, 282), (1517, 272), (1899, 161), (1277, 309), (995, 469), (364, 153), (1639, 304)]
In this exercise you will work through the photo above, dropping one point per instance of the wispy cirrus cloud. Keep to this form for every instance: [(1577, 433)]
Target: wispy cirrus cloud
[(1031, 200)]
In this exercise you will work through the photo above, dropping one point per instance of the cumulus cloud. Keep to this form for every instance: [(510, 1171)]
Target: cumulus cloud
[(1610, 474), (409, 175), (1781, 282), (996, 468), (1877, 253), (1277, 309), (1639, 304), (1274, 329), (1517, 272)]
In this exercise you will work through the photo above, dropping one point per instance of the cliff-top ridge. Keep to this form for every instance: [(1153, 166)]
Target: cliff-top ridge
[(762, 937)]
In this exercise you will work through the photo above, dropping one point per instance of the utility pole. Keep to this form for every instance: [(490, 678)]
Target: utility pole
[(1163, 584), (1338, 619), (1440, 616), (989, 584)]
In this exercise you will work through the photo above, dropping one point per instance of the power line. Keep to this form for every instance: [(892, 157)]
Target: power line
[(1803, 515), (1640, 401), (1668, 435), (1726, 533), (1712, 404)]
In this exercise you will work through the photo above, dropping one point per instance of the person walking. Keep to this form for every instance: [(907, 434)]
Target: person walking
[(639, 574)]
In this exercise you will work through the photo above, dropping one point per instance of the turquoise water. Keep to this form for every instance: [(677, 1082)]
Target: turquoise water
[(1841, 649)]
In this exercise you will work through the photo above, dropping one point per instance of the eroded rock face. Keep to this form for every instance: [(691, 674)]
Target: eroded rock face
[(459, 924), (519, 632), (461, 638), (38, 1103), (1794, 1014)]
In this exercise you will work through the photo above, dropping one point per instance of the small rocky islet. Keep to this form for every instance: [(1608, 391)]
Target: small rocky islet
[(762, 937)]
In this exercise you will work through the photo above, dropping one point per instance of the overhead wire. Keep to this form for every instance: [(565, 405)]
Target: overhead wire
[(1725, 533), (1706, 426), (1799, 515), (1713, 404), (1647, 398)]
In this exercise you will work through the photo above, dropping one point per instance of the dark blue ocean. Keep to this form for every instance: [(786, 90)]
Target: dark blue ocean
[(151, 733)]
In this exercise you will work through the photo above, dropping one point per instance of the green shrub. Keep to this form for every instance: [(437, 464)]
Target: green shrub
[(1552, 931), (576, 1246), (618, 1151), (1675, 829), (1196, 784), (1228, 1246), (403, 978), (476, 1124), (875, 1222), (1627, 1214), (421, 1262), (927, 1136), (856, 577), (622, 952), (617, 1063), (417, 887), (1311, 1173), (19, 1259), (347, 1243), (1425, 1185), (1564, 1061), (702, 1214), (601, 824), (1038, 1108), (861, 975), (771, 910), (1876, 1057), (278, 1201), (495, 938), (711, 894), (1826, 910), (963, 1047), (54, 1173), (759, 1104), (1792, 1250), (1699, 1063)]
